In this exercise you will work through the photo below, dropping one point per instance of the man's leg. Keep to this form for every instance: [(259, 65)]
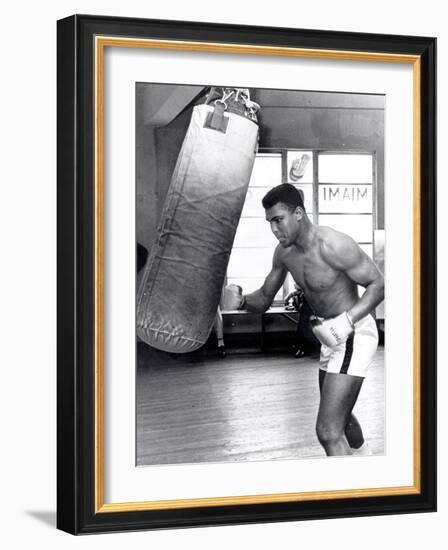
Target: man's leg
[(339, 393), (353, 433), (353, 430), (219, 329)]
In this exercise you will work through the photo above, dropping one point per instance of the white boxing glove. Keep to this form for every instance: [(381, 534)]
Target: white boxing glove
[(332, 332), (233, 298)]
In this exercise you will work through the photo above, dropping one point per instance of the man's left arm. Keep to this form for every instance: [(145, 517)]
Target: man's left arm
[(346, 255)]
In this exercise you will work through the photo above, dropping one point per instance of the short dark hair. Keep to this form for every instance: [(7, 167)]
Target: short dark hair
[(286, 193)]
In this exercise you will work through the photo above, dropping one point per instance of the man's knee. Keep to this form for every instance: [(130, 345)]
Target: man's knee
[(328, 432)]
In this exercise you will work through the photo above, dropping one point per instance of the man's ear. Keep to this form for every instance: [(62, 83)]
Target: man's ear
[(299, 212)]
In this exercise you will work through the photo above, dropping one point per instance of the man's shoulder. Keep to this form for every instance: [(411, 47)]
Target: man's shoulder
[(330, 236), (280, 254), (333, 242)]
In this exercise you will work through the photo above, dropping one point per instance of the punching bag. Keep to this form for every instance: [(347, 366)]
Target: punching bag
[(181, 286)]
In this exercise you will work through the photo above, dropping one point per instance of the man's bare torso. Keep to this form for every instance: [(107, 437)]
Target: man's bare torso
[(328, 291)]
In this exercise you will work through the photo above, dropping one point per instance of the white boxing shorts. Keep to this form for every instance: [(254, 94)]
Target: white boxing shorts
[(354, 356)]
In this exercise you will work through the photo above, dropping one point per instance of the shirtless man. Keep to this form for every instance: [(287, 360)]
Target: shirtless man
[(328, 266)]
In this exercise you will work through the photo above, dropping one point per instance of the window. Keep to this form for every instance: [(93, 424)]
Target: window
[(339, 191), (346, 195), (254, 243)]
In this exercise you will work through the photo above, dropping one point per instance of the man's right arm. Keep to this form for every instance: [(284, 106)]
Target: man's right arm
[(260, 300)]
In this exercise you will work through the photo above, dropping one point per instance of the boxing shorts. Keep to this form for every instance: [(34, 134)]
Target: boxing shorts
[(354, 356)]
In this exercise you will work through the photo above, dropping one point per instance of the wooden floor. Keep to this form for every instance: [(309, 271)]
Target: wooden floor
[(199, 408)]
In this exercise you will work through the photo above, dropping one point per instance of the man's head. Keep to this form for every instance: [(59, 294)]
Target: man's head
[(286, 194), (284, 211)]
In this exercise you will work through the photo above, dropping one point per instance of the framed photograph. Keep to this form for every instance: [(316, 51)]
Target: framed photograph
[(246, 274)]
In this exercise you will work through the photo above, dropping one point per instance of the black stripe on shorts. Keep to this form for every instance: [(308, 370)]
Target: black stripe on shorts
[(348, 354)]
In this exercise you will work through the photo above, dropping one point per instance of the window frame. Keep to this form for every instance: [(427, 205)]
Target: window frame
[(315, 214)]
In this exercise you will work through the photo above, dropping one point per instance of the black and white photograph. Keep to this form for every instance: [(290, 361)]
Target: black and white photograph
[(260, 315)]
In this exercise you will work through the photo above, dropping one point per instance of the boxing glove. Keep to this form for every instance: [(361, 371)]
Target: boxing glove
[(232, 298), (334, 331), (298, 167)]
